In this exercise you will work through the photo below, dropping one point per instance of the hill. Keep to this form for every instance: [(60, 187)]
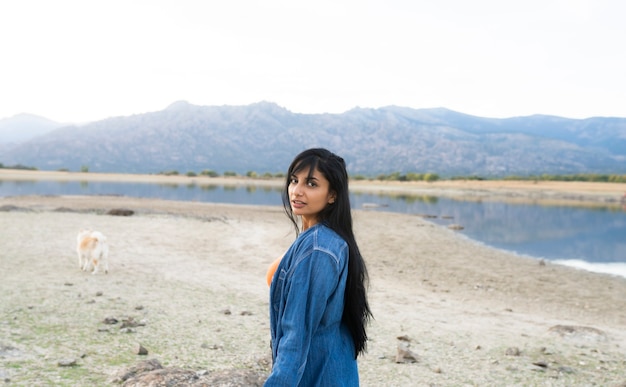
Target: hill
[(264, 137)]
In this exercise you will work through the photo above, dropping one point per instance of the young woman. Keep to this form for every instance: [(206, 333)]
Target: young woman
[(318, 301)]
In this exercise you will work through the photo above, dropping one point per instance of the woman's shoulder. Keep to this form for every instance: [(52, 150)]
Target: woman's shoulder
[(326, 239)]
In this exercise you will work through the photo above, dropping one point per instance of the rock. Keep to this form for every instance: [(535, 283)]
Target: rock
[(404, 338), (120, 212), (10, 207), (141, 350), (67, 363), (139, 368), (513, 351), (110, 320), (575, 332), (405, 355), (131, 323), (173, 376), (455, 227), (236, 377)]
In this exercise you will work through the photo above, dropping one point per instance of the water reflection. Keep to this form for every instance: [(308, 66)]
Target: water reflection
[(595, 234)]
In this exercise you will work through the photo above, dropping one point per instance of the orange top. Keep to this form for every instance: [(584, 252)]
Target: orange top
[(271, 270)]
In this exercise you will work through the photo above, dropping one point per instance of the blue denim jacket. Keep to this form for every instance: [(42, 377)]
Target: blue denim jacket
[(310, 345)]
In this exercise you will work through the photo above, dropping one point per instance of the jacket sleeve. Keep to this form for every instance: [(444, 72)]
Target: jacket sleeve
[(311, 283)]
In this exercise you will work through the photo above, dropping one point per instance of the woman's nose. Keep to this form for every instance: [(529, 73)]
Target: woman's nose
[(297, 190)]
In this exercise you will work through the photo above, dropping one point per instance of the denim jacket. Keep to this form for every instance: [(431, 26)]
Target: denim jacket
[(310, 344)]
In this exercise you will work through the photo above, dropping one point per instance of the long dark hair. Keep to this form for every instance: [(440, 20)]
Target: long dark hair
[(338, 216)]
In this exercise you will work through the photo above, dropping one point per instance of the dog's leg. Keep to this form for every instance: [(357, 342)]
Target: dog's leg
[(105, 257), (96, 265), (84, 261), (80, 260)]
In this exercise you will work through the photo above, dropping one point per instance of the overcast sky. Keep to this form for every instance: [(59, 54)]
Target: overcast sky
[(76, 61)]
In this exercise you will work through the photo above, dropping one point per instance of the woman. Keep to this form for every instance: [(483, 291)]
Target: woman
[(318, 302)]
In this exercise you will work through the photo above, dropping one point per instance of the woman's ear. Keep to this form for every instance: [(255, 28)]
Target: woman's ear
[(332, 198)]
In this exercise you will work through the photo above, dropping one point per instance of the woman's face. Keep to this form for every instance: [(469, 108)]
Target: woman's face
[(309, 195)]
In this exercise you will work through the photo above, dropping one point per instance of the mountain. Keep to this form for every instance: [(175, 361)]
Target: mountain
[(23, 127), (264, 137)]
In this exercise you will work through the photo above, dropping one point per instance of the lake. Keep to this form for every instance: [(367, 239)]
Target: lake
[(591, 238)]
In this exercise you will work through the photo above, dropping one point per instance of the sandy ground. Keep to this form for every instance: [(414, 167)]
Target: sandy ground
[(192, 275)]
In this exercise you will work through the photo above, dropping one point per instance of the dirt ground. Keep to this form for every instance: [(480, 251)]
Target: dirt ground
[(187, 282)]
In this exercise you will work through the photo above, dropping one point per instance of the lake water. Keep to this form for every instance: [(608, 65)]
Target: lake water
[(589, 238)]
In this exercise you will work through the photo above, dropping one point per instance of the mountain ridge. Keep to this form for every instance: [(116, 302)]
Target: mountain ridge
[(264, 137)]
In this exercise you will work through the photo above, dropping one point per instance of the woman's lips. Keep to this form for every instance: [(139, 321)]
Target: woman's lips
[(297, 204)]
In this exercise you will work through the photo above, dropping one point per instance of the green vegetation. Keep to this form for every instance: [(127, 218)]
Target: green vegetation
[(209, 173), (590, 177), (411, 176), (17, 166), (394, 176), (169, 173)]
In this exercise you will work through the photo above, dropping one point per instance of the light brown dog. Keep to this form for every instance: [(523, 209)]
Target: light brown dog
[(93, 251)]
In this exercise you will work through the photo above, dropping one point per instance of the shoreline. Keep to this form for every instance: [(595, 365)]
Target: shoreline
[(539, 192)]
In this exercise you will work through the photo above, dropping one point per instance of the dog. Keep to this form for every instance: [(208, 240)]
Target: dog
[(93, 251)]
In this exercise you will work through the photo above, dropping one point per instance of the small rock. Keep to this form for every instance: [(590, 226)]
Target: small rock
[(405, 355), (579, 332), (214, 346), (513, 351), (139, 307), (246, 313), (67, 363), (139, 368), (99, 294), (404, 338), (110, 320), (68, 284), (131, 323), (141, 350), (120, 212), (226, 311), (541, 364)]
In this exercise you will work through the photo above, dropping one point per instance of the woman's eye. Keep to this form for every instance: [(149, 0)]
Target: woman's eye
[(312, 184), (293, 181)]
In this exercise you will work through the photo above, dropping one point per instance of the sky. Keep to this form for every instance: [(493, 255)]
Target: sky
[(87, 60)]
